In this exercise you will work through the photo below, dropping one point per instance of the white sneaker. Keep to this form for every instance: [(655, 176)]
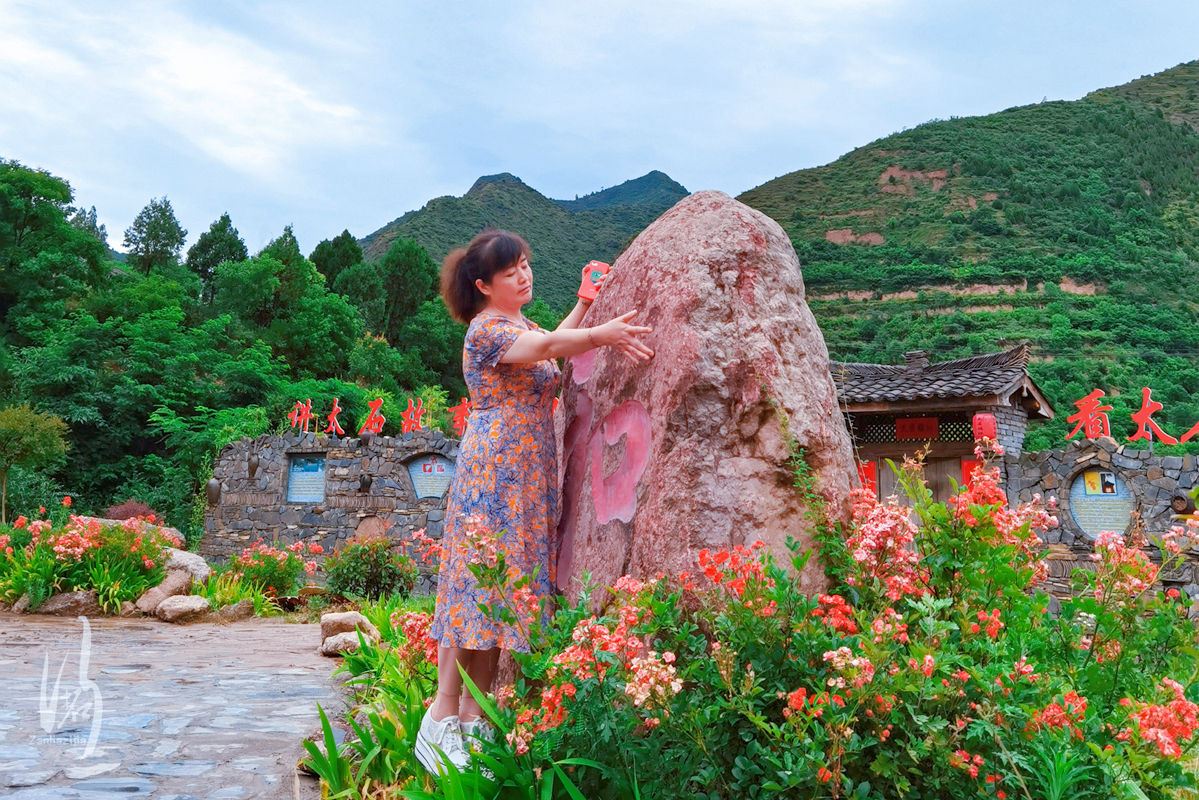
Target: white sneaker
[(472, 732), (475, 729), (440, 741)]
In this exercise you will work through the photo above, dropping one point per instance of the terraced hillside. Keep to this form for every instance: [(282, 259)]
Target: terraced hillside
[(1071, 225)]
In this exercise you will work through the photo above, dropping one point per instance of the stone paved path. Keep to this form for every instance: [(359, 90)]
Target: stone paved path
[(196, 711)]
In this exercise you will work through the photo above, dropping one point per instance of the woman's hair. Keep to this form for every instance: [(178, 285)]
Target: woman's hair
[(488, 253)]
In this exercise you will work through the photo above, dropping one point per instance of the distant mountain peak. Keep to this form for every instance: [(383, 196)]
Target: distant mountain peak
[(652, 188), (499, 179), (564, 234)]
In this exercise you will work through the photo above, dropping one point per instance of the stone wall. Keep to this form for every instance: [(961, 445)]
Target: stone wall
[(1137, 479), (1010, 422), (252, 508)]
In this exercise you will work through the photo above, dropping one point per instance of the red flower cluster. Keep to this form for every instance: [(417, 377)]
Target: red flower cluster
[(963, 760), (882, 545), (889, 625), (76, 539), (1068, 715), (550, 714), (836, 613), (591, 637), (430, 550), (1166, 725), (992, 621), (798, 702), (1124, 571), (418, 643), (739, 570)]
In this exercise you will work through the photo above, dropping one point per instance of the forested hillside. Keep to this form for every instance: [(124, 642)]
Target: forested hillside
[(1072, 225), (563, 234)]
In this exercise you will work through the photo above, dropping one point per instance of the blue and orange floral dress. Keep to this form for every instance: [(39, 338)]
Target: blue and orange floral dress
[(507, 472)]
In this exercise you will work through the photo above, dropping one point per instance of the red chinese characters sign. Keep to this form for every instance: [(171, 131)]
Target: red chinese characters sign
[(916, 428), (1091, 418), (411, 419)]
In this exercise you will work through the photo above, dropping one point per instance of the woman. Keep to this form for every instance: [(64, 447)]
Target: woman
[(507, 472)]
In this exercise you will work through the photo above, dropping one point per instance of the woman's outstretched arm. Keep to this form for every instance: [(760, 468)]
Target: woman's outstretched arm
[(618, 332)]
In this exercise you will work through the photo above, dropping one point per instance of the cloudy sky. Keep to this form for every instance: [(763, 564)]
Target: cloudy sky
[(330, 116)]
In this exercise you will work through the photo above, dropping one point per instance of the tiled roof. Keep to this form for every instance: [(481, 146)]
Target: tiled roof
[(975, 376)]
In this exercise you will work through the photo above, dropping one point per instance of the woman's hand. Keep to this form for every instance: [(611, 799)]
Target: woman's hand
[(621, 334)]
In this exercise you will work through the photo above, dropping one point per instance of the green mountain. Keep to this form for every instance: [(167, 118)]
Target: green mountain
[(563, 234), (1071, 225)]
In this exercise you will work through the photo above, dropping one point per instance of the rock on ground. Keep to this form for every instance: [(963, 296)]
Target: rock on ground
[(182, 608), (690, 450), (71, 604), (347, 621), (176, 582), (242, 609), (340, 643), (192, 563)]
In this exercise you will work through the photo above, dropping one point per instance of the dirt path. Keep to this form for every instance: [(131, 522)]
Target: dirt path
[(165, 711)]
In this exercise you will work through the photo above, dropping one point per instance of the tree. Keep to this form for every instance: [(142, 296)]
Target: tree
[(46, 264), (30, 439), (155, 237), (88, 222), (332, 257), (409, 278), (220, 243), (390, 291)]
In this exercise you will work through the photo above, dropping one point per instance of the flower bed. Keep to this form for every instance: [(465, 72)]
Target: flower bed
[(931, 668), (120, 561)]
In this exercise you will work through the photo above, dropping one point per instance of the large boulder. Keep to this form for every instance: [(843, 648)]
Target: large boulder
[(690, 449), (176, 582)]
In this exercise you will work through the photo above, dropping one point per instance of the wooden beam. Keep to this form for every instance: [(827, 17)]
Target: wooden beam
[(920, 406)]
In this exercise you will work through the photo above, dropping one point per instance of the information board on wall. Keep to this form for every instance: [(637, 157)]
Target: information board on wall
[(431, 475), (1100, 501), (306, 479)]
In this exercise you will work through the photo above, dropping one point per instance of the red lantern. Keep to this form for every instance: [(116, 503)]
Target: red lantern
[(984, 427)]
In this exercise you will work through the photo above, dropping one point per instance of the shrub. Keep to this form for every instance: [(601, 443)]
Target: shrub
[(930, 668), (132, 508), (275, 571), (368, 566)]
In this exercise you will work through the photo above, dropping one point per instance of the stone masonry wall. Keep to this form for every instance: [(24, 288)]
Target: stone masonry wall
[(1010, 423), (256, 508), (1152, 481)]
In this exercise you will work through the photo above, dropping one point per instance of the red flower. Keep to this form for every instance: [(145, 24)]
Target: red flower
[(66, 501)]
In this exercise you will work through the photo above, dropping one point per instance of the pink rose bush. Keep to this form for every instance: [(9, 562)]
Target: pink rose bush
[(932, 666)]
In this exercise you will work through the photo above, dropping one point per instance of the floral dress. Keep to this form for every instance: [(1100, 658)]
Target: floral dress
[(507, 473)]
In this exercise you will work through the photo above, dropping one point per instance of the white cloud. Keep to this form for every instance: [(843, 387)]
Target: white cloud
[(131, 66)]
